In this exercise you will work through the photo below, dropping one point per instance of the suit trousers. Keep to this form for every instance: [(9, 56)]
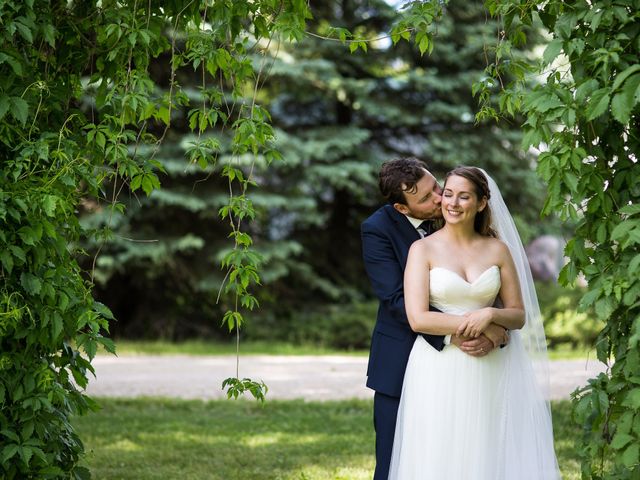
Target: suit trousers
[(385, 412)]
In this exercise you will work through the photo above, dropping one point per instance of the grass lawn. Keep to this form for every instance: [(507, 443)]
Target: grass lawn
[(239, 440), (202, 347), (199, 347)]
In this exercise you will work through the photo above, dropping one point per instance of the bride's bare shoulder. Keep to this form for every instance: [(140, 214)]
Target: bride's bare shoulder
[(427, 245), (495, 244), (496, 248)]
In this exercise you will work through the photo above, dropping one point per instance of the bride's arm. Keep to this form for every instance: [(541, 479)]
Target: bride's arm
[(416, 296), (512, 315)]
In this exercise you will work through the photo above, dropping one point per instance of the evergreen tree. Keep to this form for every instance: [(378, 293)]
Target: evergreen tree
[(338, 116)]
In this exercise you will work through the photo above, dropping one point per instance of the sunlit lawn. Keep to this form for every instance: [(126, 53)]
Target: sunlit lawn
[(238, 440)]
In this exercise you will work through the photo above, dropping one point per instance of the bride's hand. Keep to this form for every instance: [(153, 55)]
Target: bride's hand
[(475, 323)]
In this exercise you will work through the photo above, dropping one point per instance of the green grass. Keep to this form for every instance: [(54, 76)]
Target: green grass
[(566, 434), (200, 347), (567, 352), (237, 440)]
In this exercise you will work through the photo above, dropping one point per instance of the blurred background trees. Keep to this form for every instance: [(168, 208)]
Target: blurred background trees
[(337, 116)]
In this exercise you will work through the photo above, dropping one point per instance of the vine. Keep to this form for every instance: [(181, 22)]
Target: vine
[(77, 104), (252, 135)]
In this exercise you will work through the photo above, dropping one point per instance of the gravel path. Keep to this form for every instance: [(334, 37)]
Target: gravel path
[(332, 377)]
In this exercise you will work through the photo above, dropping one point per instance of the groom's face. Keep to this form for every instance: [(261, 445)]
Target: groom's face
[(423, 202)]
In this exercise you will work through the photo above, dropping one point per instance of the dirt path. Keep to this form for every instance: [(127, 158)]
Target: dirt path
[(288, 377)]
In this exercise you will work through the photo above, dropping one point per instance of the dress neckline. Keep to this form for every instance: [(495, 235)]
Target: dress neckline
[(464, 279)]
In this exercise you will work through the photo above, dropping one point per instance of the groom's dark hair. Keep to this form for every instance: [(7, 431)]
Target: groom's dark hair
[(398, 176)]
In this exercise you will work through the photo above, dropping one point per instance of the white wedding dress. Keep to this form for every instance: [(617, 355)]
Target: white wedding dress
[(469, 418)]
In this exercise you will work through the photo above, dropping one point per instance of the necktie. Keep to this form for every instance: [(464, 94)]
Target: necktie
[(424, 228)]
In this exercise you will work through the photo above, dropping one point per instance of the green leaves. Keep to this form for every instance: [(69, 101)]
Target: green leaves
[(14, 63), (355, 45), (49, 205), (54, 160), (631, 456), (585, 89), (201, 119), (598, 103), (630, 209), (148, 181), (552, 50), (622, 76), (236, 387), (30, 283), (25, 26), (18, 108), (627, 85)]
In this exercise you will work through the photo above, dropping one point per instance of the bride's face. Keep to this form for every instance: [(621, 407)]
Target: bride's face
[(460, 202)]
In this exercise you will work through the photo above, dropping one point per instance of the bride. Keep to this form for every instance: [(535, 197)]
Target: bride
[(464, 417)]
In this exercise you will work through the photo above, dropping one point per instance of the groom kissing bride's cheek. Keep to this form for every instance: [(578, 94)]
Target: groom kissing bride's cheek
[(449, 270)]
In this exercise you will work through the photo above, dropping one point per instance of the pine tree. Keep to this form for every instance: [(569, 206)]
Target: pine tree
[(338, 116)]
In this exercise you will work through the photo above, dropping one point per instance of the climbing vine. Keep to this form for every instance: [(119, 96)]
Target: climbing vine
[(81, 117)]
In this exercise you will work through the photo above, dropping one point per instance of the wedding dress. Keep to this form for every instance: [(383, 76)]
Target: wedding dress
[(471, 418)]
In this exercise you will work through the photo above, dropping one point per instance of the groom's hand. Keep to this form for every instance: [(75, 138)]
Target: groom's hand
[(476, 347), (497, 334)]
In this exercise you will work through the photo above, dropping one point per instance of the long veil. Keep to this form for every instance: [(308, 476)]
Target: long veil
[(532, 334), (528, 431)]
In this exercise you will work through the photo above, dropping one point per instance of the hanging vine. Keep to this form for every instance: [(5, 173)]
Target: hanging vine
[(77, 106)]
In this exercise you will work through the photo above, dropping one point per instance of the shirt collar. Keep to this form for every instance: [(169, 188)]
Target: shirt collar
[(414, 221)]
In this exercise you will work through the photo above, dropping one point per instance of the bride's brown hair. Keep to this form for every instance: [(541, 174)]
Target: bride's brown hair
[(482, 223)]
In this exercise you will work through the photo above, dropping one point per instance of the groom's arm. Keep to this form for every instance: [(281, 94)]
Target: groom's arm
[(387, 277), (384, 271)]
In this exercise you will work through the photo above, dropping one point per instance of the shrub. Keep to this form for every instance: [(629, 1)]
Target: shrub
[(345, 326), (563, 324)]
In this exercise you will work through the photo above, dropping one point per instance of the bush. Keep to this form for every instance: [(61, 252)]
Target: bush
[(346, 326), (563, 324)]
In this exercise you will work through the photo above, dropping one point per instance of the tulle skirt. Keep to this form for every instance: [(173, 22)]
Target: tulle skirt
[(467, 418)]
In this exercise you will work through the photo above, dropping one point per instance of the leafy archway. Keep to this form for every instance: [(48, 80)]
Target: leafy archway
[(79, 111)]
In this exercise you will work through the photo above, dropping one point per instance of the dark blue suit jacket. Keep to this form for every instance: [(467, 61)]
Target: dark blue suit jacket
[(386, 238)]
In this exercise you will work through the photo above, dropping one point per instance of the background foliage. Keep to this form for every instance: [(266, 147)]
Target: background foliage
[(337, 116), (563, 324)]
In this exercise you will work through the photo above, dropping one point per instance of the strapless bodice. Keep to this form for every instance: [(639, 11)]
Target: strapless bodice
[(450, 293)]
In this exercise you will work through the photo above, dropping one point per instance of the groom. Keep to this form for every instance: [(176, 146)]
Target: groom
[(413, 197)]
